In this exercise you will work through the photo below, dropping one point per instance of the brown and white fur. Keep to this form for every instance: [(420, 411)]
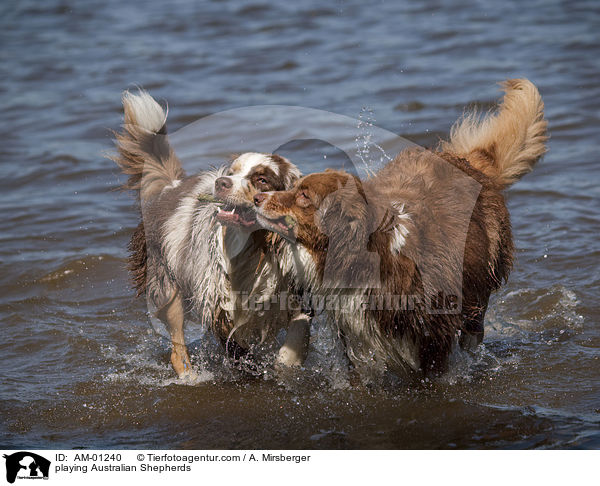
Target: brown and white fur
[(205, 258), (415, 224)]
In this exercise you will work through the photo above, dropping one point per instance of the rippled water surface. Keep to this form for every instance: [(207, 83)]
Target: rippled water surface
[(82, 367)]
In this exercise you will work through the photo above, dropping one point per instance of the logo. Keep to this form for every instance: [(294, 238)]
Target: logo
[(26, 465)]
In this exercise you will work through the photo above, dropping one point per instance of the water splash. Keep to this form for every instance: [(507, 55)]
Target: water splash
[(371, 161)]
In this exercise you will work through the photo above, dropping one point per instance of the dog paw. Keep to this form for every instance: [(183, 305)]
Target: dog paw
[(289, 357), (181, 363), (189, 376)]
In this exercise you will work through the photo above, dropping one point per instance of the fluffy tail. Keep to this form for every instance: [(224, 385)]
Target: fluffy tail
[(506, 145), (144, 150)]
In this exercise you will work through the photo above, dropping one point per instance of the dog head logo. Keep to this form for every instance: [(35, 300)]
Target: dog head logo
[(26, 465)]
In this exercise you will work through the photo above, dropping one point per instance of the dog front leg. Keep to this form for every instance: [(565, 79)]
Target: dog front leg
[(172, 315), (295, 348)]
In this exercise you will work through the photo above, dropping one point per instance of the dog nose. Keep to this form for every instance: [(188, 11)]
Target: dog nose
[(259, 198), (223, 183)]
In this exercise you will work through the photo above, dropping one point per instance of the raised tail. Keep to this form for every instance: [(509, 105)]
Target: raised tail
[(505, 146), (144, 150)]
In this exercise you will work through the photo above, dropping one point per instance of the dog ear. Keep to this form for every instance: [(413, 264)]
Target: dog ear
[(353, 206), (344, 215), (348, 226)]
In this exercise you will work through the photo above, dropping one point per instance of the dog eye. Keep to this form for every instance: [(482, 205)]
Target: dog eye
[(262, 180), (302, 199)]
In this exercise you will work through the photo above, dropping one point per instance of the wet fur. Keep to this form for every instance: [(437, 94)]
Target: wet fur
[(188, 264), (408, 219)]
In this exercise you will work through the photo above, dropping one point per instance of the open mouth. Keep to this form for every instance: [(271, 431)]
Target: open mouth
[(232, 214), (236, 215), (283, 225)]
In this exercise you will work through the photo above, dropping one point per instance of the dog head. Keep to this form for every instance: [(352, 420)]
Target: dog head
[(249, 174), (320, 209)]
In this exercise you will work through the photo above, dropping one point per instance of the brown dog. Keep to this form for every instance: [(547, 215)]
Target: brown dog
[(419, 247)]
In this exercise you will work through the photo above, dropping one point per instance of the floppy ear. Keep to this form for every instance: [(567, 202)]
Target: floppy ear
[(354, 210), (348, 224), (344, 215)]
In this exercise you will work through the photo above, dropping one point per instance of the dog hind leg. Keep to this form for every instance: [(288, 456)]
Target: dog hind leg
[(172, 315), (473, 328)]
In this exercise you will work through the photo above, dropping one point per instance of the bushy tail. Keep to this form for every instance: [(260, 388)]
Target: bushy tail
[(506, 145), (144, 150)]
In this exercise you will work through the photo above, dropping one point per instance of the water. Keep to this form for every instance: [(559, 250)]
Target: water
[(81, 366)]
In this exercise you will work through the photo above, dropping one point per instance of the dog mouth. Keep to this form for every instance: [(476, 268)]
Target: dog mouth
[(236, 215), (230, 213), (285, 225)]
